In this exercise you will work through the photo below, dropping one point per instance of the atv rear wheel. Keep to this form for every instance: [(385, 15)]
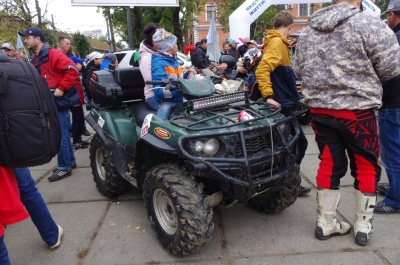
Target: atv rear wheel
[(177, 208), (108, 181), (277, 201)]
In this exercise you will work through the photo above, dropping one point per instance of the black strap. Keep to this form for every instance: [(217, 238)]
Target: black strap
[(27, 79)]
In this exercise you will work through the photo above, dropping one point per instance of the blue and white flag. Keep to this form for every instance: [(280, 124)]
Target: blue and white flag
[(213, 49), (20, 44)]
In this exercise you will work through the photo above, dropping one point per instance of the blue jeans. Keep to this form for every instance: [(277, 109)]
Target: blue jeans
[(4, 259), (389, 139), (164, 109), (36, 206), (65, 157)]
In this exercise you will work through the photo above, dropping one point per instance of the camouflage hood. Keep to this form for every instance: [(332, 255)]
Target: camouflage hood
[(327, 19)]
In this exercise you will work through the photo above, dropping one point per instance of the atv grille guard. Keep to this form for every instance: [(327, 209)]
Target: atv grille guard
[(256, 156), (224, 116)]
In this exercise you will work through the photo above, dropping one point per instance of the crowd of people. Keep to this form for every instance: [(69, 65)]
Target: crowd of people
[(345, 61)]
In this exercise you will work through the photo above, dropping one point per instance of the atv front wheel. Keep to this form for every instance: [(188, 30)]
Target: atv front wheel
[(177, 208), (108, 181), (277, 201)]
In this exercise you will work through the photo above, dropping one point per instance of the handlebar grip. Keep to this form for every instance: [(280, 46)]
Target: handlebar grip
[(154, 82)]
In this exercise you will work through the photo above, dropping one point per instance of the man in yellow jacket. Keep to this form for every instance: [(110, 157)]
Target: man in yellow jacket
[(276, 78)]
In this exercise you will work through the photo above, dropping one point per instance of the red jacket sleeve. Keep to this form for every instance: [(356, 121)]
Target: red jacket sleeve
[(65, 70), (11, 208)]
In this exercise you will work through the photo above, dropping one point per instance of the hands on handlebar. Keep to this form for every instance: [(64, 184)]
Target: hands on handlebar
[(164, 84)]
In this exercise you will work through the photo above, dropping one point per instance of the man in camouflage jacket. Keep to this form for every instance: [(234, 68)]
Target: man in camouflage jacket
[(341, 57)]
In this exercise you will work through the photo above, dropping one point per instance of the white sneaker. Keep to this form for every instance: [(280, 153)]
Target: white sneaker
[(60, 234)]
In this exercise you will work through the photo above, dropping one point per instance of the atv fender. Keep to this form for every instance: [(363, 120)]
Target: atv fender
[(157, 143), (89, 119), (116, 148)]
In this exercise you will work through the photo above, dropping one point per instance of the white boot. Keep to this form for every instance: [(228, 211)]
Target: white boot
[(363, 218), (327, 225)]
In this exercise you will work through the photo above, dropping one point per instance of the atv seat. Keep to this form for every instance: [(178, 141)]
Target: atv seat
[(141, 110), (131, 81)]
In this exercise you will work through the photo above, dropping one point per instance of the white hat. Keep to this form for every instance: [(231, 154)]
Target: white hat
[(7, 45), (253, 42), (95, 55)]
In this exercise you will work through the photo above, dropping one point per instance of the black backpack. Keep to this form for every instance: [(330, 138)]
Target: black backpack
[(30, 133)]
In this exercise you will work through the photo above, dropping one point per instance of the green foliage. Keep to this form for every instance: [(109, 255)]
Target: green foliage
[(382, 4), (80, 45), (175, 19)]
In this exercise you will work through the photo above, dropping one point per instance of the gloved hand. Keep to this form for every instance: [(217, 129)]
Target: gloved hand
[(167, 93)]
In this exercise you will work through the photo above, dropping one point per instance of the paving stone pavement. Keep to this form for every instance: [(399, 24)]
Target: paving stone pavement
[(103, 231)]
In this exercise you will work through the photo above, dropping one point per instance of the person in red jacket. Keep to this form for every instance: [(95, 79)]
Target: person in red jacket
[(61, 75), (11, 208)]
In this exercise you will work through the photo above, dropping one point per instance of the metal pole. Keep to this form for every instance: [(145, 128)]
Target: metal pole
[(129, 21), (108, 36)]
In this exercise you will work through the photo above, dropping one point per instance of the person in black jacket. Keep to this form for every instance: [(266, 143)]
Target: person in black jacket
[(200, 55), (95, 59), (244, 48)]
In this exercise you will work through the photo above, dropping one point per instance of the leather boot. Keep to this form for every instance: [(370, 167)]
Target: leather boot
[(327, 224), (363, 228)]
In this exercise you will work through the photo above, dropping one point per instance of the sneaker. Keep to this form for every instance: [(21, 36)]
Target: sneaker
[(382, 207), (72, 167), (303, 191), (79, 145), (85, 132), (382, 189), (59, 174), (60, 234)]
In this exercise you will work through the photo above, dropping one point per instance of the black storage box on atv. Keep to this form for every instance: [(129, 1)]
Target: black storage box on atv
[(110, 88)]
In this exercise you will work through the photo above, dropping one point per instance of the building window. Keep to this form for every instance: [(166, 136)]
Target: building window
[(303, 10), (209, 12)]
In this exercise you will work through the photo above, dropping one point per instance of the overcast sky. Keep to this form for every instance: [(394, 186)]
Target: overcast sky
[(73, 18)]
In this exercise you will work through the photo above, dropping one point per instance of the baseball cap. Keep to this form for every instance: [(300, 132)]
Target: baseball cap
[(76, 60), (253, 42), (7, 45), (393, 6), (33, 32), (110, 57), (95, 55)]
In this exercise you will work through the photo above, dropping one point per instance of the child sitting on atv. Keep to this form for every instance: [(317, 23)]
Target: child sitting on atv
[(165, 65)]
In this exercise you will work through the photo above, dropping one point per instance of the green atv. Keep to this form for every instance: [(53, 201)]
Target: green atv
[(204, 155)]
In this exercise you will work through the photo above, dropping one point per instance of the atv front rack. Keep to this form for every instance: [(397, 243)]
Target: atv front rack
[(223, 116)]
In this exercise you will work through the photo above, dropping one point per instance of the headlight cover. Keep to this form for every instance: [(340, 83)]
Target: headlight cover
[(209, 147), (286, 131)]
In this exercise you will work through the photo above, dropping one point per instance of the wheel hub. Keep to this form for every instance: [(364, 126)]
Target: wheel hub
[(165, 211), (100, 164)]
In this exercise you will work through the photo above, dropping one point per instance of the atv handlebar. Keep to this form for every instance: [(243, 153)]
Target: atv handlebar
[(164, 83)]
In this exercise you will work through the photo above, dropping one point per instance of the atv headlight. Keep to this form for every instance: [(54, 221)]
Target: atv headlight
[(199, 146), (210, 147), (286, 130)]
